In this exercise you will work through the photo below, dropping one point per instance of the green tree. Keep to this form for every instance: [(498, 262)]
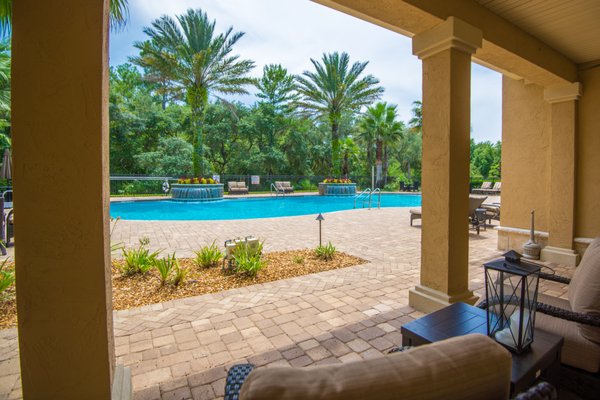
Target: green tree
[(350, 152), (173, 157), (416, 122), (380, 127), (197, 63), (276, 86), (335, 88)]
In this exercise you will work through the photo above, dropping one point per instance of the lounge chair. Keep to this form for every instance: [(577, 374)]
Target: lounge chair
[(476, 218), (476, 213), (484, 186), (494, 190), (284, 186), (424, 372), (237, 187)]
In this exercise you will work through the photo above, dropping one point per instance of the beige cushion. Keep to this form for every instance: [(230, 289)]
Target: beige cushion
[(466, 367), (577, 351), (584, 289), (232, 185)]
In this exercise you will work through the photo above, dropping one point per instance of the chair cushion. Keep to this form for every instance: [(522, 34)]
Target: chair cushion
[(584, 289), (466, 367), (232, 184), (577, 351)]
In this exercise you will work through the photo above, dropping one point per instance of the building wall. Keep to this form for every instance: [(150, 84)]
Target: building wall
[(587, 209), (525, 157)]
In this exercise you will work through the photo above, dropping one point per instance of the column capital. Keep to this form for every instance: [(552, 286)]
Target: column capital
[(560, 93), (452, 33)]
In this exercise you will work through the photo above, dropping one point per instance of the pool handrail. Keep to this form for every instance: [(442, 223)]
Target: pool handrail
[(378, 191), (277, 190), (365, 194)]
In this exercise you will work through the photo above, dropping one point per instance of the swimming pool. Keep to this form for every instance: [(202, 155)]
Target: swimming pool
[(250, 207)]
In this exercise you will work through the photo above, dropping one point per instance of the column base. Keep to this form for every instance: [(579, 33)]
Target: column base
[(428, 300), (560, 256)]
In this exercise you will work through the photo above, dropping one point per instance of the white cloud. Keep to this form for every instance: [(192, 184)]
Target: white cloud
[(290, 32)]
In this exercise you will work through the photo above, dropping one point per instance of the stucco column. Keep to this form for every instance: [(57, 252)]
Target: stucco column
[(563, 100), (60, 153), (446, 53)]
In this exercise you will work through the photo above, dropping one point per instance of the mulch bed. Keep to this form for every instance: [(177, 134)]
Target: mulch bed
[(141, 290)]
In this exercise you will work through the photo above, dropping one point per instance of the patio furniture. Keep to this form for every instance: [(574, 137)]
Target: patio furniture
[(450, 369), (476, 214), (484, 186), (237, 187), (576, 318), (284, 186), (415, 213), (496, 189), (492, 211), (461, 319)]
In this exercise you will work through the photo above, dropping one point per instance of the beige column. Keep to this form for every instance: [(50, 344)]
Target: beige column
[(446, 53), (563, 135), (60, 145)]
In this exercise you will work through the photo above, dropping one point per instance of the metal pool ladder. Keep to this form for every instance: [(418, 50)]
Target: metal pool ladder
[(367, 195), (277, 190)]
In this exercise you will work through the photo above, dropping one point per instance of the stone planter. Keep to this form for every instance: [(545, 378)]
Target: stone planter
[(337, 189), (197, 192)]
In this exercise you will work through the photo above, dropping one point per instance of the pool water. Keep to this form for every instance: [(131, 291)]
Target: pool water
[(247, 208)]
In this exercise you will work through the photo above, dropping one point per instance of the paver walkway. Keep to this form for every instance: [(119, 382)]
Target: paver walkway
[(183, 348)]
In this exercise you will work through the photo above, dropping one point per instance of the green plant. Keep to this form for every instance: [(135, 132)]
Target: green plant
[(165, 266), (7, 277), (208, 256), (248, 258), (325, 252), (138, 260), (179, 274), (114, 246), (299, 259)]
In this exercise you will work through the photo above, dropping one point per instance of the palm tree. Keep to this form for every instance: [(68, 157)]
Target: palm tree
[(379, 126), (196, 63), (416, 122), (336, 88), (119, 12), (5, 76)]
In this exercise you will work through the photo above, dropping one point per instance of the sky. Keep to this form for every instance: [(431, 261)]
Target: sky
[(291, 32)]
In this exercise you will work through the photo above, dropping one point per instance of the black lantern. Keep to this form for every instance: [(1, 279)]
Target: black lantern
[(511, 290)]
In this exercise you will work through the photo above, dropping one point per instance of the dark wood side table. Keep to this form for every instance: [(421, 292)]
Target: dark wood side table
[(542, 359)]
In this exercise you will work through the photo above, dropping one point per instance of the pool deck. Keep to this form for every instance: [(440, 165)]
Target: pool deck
[(183, 348)]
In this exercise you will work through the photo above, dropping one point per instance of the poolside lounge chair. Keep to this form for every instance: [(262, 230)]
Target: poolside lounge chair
[(284, 186), (484, 186), (237, 187), (424, 372), (476, 218), (494, 190)]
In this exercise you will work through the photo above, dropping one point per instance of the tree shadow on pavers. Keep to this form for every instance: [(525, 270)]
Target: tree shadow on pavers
[(368, 338)]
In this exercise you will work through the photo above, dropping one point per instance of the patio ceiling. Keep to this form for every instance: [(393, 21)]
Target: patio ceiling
[(571, 27)]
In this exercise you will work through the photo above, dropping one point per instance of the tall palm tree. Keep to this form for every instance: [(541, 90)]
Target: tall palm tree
[(119, 12), (379, 126), (416, 122), (333, 89), (196, 63), (4, 76)]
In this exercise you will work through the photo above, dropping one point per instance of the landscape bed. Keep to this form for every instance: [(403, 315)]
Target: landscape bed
[(140, 290)]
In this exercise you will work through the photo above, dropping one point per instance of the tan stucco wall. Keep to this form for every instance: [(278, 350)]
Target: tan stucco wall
[(60, 155), (587, 211), (525, 155)]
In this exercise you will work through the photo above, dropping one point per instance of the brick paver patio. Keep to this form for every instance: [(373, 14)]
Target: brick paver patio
[(182, 349)]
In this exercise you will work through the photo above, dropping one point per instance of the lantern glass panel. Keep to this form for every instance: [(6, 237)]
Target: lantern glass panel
[(511, 294)]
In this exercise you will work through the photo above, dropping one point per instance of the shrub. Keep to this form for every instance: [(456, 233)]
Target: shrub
[(165, 266), (138, 260), (248, 258), (179, 274), (325, 252), (208, 256), (299, 259), (7, 277)]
